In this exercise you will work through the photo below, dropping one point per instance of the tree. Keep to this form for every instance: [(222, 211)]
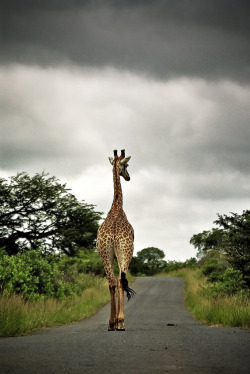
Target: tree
[(236, 240), (137, 267), (207, 240), (39, 212), (232, 240), (152, 260)]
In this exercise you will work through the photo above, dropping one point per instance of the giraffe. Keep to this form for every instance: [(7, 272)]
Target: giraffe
[(115, 238)]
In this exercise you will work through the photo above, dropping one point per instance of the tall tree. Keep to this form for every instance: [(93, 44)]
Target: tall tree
[(39, 211), (236, 240)]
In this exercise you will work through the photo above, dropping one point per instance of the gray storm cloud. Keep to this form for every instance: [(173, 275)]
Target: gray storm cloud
[(164, 39), (62, 117)]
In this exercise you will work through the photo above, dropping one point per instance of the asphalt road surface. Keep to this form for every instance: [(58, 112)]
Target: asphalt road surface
[(160, 337)]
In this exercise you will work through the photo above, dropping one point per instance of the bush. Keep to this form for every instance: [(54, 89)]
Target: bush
[(35, 276), (38, 276), (86, 261), (231, 282), (28, 274), (213, 269)]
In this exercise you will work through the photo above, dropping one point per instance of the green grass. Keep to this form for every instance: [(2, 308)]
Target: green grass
[(233, 311), (20, 317)]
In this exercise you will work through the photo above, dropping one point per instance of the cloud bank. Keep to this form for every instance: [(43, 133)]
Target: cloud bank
[(165, 39)]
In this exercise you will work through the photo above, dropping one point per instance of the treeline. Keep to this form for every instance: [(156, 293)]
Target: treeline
[(47, 239), (150, 261), (223, 256)]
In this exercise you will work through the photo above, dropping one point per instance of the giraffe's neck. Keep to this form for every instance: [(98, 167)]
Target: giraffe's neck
[(117, 201)]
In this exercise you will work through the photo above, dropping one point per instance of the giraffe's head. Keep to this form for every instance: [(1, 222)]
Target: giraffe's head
[(121, 163)]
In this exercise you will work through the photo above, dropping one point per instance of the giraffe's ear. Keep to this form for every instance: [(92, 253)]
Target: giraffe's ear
[(111, 160), (125, 160)]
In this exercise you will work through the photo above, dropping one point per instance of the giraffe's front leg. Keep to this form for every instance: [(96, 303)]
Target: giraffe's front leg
[(120, 311)]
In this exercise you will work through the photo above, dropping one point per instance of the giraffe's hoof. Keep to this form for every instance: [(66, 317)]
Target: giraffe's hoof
[(120, 326), (112, 327)]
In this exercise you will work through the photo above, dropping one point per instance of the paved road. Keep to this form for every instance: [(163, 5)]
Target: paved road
[(149, 344)]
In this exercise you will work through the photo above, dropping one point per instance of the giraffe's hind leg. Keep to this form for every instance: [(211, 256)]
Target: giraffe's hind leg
[(112, 320), (120, 312), (124, 254), (107, 255), (112, 289)]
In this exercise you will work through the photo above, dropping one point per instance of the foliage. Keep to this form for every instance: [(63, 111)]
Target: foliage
[(31, 275), (213, 269), (225, 279), (39, 212), (151, 255), (136, 267), (176, 265), (87, 262), (207, 240), (229, 283), (231, 239), (36, 276), (148, 261), (236, 240), (190, 263)]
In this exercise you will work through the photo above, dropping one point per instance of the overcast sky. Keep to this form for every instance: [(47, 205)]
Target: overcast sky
[(168, 81)]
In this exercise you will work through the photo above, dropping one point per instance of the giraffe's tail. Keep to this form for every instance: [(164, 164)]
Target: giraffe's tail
[(130, 293)]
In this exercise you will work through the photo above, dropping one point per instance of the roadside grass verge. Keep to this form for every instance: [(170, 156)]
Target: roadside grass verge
[(220, 310), (20, 317)]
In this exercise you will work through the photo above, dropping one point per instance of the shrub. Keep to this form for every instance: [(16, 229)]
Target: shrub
[(28, 273), (213, 269), (231, 282), (36, 276), (87, 262)]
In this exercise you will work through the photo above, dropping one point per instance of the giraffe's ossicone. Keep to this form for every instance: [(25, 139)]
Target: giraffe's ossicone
[(115, 239)]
